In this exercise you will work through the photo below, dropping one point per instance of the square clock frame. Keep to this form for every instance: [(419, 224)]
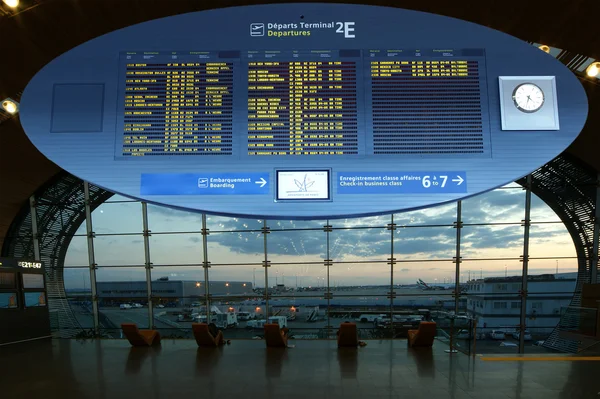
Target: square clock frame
[(545, 118)]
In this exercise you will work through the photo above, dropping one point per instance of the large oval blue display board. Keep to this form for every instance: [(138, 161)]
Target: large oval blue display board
[(303, 110)]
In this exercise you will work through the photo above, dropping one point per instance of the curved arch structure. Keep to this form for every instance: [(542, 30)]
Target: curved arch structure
[(60, 210), (569, 188)]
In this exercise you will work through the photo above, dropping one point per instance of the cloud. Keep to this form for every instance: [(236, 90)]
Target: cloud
[(195, 239), (404, 270)]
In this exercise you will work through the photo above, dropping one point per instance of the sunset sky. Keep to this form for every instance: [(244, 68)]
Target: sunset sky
[(423, 252)]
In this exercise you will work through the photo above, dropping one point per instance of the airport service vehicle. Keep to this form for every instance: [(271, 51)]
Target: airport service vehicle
[(497, 334), (281, 320), (226, 320), (138, 305), (256, 324), (364, 318), (526, 336), (201, 318), (245, 316), (125, 306)]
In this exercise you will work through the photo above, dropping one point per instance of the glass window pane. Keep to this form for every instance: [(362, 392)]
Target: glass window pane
[(359, 274), (497, 206), (373, 221), (223, 223), (296, 280), (297, 246), (438, 215), (163, 219), (77, 281), (540, 212), (236, 247), (119, 250), (485, 242), (176, 249), (122, 298), (550, 240), (359, 245), (297, 224), (424, 243), (116, 218), (77, 253)]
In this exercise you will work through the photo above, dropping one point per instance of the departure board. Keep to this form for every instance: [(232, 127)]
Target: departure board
[(303, 103), (424, 104), (180, 107), (306, 106)]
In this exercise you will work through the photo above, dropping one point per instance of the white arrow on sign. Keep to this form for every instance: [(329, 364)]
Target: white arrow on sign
[(459, 180), (262, 182)]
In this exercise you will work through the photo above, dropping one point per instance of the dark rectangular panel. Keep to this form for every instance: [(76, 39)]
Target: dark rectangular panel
[(77, 108)]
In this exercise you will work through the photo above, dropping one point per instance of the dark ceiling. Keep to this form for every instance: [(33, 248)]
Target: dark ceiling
[(34, 37)]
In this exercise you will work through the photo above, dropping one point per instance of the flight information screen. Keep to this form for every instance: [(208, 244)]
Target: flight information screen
[(178, 105), (303, 103)]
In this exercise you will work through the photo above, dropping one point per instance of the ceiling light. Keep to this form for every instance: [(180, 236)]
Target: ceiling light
[(544, 48), (593, 69), (10, 106), (11, 3)]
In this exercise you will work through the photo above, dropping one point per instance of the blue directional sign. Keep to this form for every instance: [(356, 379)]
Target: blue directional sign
[(205, 184), (401, 182)]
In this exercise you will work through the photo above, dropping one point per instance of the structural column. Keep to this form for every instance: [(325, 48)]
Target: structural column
[(526, 223), (392, 262), (148, 263), (328, 262), (205, 265), (91, 254), (266, 264)]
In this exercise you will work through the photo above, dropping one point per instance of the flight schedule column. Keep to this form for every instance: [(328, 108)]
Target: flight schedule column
[(178, 108), (302, 107)]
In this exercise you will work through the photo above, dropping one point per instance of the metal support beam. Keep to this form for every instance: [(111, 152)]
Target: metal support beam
[(596, 235), (148, 262), (458, 259), (205, 265), (91, 255), (392, 263), (526, 226), (34, 228), (265, 231), (328, 263)]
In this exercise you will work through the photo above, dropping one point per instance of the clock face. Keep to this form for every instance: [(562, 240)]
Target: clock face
[(528, 97)]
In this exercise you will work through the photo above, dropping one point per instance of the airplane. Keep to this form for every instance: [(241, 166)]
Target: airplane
[(438, 286)]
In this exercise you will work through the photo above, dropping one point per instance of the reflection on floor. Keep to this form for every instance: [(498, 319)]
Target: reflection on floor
[(313, 369)]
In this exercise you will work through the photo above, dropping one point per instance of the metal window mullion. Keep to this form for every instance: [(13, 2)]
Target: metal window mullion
[(327, 230), (458, 258), (206, 265), (148, 263), (265, 231), (392, 264), (526, 225), (91, 255)]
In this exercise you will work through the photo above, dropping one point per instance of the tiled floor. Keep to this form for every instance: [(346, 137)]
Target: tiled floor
[(246, 369)]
